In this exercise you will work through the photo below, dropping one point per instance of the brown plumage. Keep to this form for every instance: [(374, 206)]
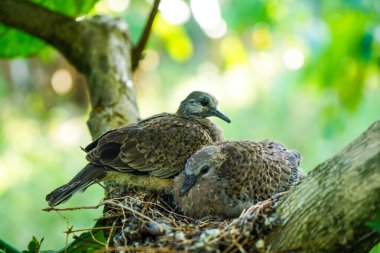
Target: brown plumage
[(229, 176), (149, 152)]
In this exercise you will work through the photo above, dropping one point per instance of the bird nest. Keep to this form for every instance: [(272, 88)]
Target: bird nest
[(142, 222)]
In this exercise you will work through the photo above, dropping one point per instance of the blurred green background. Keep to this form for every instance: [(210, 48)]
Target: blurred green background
[(305, 73)]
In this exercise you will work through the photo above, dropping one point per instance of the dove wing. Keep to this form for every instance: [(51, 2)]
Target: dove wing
[(159, 146)]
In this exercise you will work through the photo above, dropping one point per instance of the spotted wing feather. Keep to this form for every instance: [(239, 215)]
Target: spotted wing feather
[(265, 167), (158, 146)]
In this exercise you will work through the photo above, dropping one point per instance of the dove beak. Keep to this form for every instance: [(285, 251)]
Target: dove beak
[(218, 114), (189, 182)]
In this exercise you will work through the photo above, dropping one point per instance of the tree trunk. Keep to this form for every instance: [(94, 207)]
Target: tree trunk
[(329, 210), (100, 48)]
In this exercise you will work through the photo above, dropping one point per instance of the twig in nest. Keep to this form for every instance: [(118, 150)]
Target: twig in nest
[(134, 212), (140, 249), (111, 232), (96, 240), (48, 209), (160, 206), (69, 231)]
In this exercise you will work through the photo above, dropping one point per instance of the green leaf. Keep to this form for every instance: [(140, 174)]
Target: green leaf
[(72, 8), (375, 249), (15, 43), (34, 246), (375, 224)]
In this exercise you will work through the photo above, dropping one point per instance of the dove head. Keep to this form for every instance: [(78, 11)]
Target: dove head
[(204, 163), (200, 105)]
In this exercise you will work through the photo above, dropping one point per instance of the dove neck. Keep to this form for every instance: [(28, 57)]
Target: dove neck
[(183, 111)]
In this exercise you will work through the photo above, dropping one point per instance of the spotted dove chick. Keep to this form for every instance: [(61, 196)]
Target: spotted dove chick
[(227, 177), (150, 153)]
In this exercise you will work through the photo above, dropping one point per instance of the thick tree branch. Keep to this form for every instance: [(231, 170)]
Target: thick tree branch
[(54, 28), (138, 49), (34, 19), (7, 247), (100, 48), (328, 211)]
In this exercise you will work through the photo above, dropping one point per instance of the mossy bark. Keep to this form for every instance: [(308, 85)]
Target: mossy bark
[(329, 210)]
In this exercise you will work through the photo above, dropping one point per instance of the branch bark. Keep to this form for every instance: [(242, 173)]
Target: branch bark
[(328, 211), (100, 48)]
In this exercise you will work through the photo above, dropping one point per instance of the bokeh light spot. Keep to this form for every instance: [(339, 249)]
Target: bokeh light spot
[(293, 58), (150, 61), (218, 31), (376, 34), (261, 38), (174, 11), (264, 63), (68, 133), (118, 5), (237, 85), (180, 48), (207, 14), (232, 50), (61, 81), (81, 18)]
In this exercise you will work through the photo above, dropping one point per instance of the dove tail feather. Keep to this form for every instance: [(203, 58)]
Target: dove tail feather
[(90, 174)]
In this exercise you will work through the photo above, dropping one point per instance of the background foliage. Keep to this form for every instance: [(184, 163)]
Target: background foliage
[(305, 73)]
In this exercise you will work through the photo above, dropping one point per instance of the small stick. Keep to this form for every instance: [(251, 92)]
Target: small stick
[(138, 49), (48, 209)]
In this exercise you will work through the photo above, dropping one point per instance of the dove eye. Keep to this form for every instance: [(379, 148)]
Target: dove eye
[(205, 169), (205, 101)]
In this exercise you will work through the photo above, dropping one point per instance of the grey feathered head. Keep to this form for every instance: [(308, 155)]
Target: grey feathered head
[(203, 163), (199, 105)]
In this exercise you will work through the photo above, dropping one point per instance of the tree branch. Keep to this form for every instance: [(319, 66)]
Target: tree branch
[(7, 247), (138, 49), (329, 210), (54, 28)]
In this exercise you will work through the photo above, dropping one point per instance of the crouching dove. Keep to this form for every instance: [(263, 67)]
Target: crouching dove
[(227, 177), (150, 153)]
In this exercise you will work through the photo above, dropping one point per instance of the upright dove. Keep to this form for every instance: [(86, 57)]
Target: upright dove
[(150, 153), (227, 177)]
